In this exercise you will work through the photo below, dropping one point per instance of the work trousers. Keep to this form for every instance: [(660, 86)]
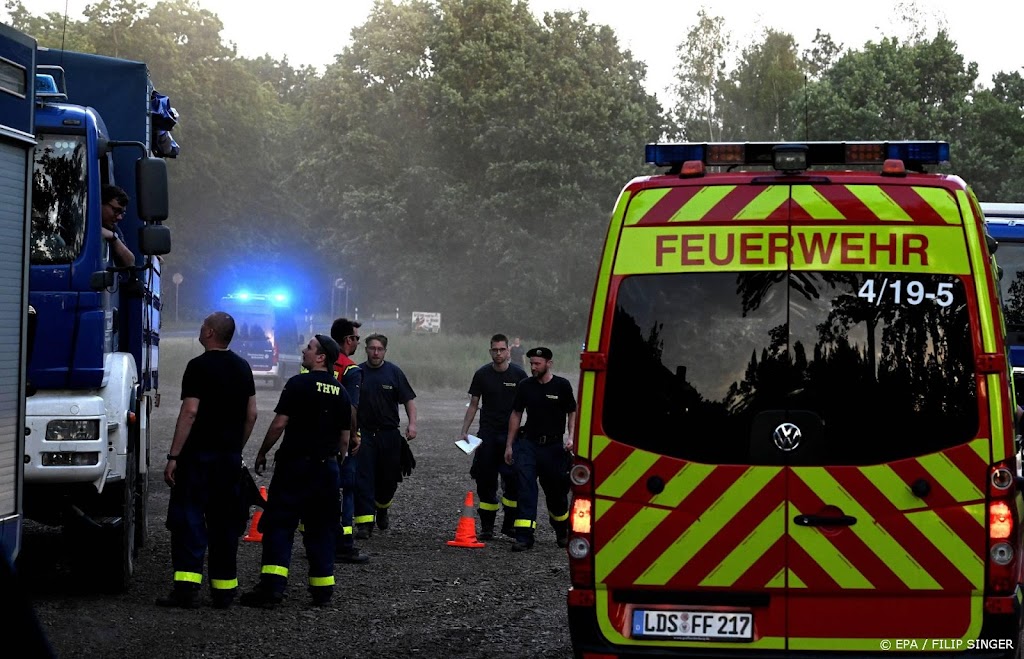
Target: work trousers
[(380, 463), (304, 489), (546, 463), (206, 511), (348, 501), (488, 467)]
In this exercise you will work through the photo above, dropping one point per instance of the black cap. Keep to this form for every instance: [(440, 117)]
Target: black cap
[(330, 348), (543, 353)]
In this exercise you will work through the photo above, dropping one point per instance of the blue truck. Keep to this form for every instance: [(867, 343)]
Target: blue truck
[(1005, 223), (94, 362), (17, 141)]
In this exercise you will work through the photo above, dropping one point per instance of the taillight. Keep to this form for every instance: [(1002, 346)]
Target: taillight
[(273, 359), (581, 559), (1002, 535)]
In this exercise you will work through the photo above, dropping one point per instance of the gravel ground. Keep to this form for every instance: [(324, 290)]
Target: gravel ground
[(416, 597)]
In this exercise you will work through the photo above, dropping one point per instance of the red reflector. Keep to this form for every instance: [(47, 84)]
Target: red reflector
[(1000, 604), (597, 655), (1000, 520), (581, 597), (131, 418)]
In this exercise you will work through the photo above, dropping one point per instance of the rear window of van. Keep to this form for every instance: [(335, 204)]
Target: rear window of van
[(702, 364)]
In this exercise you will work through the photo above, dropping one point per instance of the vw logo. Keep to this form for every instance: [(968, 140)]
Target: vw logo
[(787, 436)]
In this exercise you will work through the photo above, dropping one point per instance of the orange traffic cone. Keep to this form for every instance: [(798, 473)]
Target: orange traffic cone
[(253, 534), (465, 534)]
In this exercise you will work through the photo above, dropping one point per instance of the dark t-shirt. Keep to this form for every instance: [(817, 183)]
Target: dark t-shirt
[(496, 390), (382, 391), (318, 409), (222, 381), (516, 354), (547, 405)]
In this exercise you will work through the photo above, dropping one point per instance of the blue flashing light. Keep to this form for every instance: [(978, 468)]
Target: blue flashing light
[(666, 155), (241, 295), (279, 299), (45, 84), (928, 153)]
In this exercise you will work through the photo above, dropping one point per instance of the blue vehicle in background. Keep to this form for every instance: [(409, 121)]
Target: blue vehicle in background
[(1006, 224), (17, 140), (95, 360), (266, 334)]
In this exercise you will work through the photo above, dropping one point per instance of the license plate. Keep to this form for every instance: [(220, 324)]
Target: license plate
[(693, 625)]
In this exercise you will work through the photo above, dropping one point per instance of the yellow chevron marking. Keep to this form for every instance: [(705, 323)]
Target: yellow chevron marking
[(586, 407), (682, 484), (894, 488), (601, 506), (978, 514), (765, 203), (614, 634), (604, 273), (795, 581), (749, 550), (875, 537), (815, 204), (879, 203), (949, 476), (709, 524), (981, 447), (951, 545), (825, 554), (941, 202), (598, 443), (778, 581), (702, 202), (642, 202), (995, 410), (626, 474), (627, 539), (979, 266)]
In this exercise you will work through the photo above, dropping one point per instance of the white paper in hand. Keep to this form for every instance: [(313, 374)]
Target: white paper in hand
[(469, 444)]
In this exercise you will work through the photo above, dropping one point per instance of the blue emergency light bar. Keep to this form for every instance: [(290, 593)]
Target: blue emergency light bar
[(46, 87), (277, 298), (913, 154)]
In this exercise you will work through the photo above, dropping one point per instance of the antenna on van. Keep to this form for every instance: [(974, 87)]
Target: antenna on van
[(806, 112), (64, 33)]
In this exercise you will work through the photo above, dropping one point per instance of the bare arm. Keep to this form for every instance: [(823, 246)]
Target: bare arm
[(343, 443), (250, 419), (122, 255), (467, 421), (274, 432), (182, 427), (514, 421), (571, 424), (410, 411)]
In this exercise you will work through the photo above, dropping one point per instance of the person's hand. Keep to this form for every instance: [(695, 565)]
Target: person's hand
[(568, 444), (508, 455), (410, 431), (354, 442), (172, 466), (108, 235), (464, 437), (261, 463)]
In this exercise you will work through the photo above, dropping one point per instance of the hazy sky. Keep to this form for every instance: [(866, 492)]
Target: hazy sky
[(313, 31)]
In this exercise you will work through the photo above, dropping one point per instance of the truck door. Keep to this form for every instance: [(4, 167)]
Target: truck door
[(886, 464)]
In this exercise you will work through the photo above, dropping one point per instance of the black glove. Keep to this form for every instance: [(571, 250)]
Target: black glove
[(408, 459)]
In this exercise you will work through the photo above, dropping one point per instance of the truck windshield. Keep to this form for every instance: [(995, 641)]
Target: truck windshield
[(703, 366), (58, 199)]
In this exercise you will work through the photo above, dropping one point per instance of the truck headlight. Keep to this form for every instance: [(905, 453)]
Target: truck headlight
[(70, 430)]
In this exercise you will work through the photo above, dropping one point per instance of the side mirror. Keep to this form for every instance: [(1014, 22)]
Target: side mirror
[(155, 239), (151, 189), (101, 279), (992, 243)]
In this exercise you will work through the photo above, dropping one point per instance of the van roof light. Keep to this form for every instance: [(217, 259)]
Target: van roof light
[(914, 154), (789, 158)]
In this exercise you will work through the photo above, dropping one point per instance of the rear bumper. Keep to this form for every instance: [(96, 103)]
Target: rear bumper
[(588, 641)]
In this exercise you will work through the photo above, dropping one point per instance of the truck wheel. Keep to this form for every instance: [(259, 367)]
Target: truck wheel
[(118, 549)]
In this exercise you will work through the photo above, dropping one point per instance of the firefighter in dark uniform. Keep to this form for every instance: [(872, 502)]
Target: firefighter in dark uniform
[(541, 452), (204, 466), (494, 385), (384, 388), (315, 409)]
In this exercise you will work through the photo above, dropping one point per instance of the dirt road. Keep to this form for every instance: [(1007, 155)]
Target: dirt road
[(416, 597)]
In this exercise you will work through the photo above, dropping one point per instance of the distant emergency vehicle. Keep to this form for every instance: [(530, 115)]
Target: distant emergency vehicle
[(795, 430), (1005, 222), (266, 335)]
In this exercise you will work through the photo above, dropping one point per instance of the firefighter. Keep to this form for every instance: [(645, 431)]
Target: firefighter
[(315, 410), (541, 452), (495, 385), (385, 387), (204, 465), (346, 333)]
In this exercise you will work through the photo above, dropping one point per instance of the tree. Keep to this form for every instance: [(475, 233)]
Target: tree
[(700, 74), (757, 97)]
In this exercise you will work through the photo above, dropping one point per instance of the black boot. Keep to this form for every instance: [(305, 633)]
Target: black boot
[(486, 524)]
